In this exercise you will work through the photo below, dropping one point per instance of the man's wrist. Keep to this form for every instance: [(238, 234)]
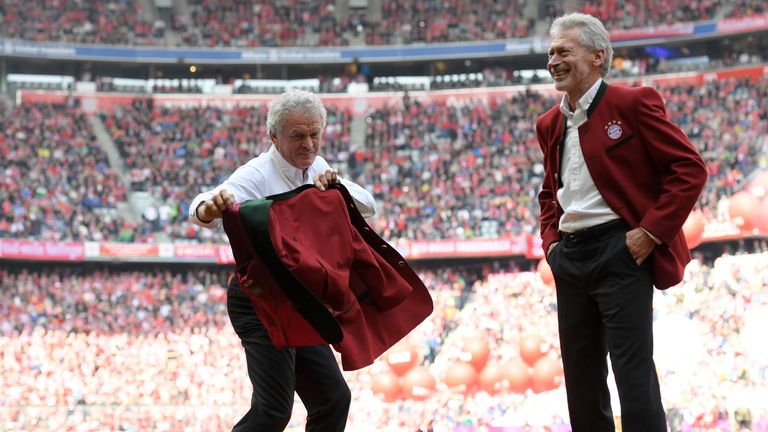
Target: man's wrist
[(653, 237), (197, 214)]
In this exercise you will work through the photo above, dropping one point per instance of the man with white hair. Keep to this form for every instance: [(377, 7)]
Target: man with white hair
[(295, 123), (620, 180)]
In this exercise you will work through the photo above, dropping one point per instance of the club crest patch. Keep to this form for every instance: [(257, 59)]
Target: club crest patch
[(613, 129)]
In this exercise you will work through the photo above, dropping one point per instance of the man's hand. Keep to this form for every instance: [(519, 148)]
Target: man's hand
[(326, 178), (640, 244), (211, 209)]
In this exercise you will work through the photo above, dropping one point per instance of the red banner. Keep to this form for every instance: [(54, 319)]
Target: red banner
[(534, 247), (751, 23), (205, 251), (465, 248), (39, 250), (98, 102), (680, 29), (128, 250), (225, 255), (523, 245)]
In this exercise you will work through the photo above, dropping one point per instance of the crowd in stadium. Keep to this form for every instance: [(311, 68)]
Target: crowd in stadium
[(108, 340), (56, 178), (439, 170), (101, 22), (78, 330), (150, 347), (260, 23)]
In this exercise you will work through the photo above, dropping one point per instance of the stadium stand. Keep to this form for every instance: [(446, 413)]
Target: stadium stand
[(111, 341), (258, 23), (441, 171)]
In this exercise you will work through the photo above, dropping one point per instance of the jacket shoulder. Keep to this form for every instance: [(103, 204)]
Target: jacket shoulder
[(549, 116), (627, 94)]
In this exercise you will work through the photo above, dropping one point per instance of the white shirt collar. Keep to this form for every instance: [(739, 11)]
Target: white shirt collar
[(582, 103), (293, 174)]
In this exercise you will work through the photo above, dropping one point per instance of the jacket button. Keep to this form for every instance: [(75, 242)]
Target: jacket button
[(401, 263)]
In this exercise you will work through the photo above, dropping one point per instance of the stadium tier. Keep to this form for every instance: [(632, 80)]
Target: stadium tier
[(109, 348), (451, 169)]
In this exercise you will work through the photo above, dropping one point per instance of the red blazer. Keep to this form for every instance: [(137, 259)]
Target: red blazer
[(643, 165), (316, 273)]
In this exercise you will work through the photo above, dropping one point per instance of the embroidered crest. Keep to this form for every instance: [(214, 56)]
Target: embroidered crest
[(613, 129)]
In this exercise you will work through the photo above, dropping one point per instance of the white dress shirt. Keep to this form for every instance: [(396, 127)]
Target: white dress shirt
[(582, 204), (270, 174)]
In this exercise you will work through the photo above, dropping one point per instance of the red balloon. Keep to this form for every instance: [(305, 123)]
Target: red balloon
[(743, 209), (475, 351), (547, 374), (401, 358), (532, 348), (762, 221), (693, 229), (387, 385), (462, 376), (491, 378), (418, 384), (516, 376), (545, 272), (759, 185)]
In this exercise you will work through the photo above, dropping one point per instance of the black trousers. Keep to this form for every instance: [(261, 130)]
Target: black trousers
[(312, 372), (604, 302)]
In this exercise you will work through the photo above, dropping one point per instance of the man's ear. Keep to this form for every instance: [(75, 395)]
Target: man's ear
[(273, 137), (599, 58)]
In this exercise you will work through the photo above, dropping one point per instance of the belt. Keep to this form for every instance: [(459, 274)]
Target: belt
[(594, 232)]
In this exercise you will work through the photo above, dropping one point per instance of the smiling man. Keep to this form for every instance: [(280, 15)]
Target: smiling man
[(295, 123), (620, 181)]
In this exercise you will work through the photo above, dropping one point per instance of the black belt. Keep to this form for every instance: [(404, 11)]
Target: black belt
[(594, 232)]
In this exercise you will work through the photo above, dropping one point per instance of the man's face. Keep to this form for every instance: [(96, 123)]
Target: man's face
[(573, 67), (300, 138)]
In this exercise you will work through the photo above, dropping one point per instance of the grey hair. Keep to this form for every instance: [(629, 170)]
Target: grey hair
[(294, 100), (592, 36)]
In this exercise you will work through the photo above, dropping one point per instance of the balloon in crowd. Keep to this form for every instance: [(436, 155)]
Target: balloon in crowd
[(517, 376), (762, 219), (545, 272), (461, 376), (547, 374), (402, 357), (693, 229), (743, 208), (475, 351), (418, 384), (759, 186), (491, 378), (387, 385), (532, 348)]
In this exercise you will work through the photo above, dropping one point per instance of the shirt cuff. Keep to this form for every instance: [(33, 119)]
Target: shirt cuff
[(194, 219), (653, 237)]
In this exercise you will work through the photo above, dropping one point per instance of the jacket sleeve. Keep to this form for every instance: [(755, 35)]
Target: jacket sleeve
[(680, 167)]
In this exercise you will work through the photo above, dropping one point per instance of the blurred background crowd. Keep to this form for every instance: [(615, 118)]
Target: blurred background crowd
[(452, 155)]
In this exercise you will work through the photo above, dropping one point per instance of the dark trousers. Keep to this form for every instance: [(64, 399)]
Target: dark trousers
[(312, 372), (604, 302)]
